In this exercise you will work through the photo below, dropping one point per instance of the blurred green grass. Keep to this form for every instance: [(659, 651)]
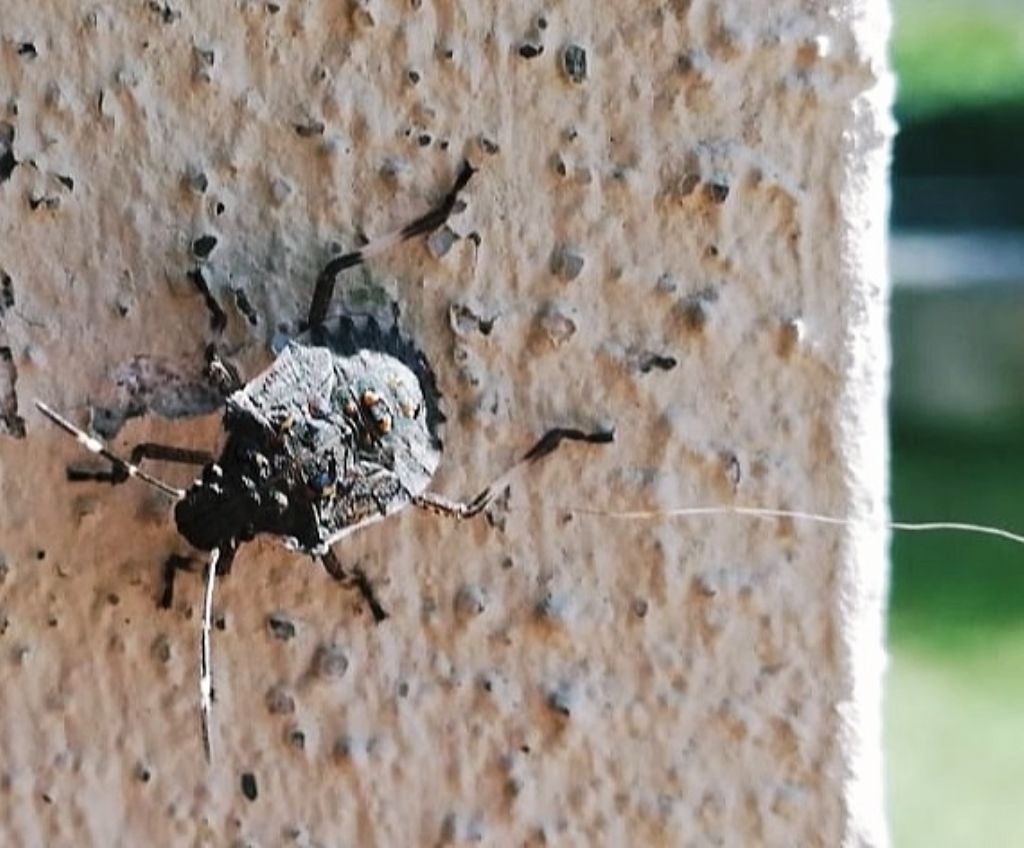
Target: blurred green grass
[(954, 721), (955, 695), (954, 730), (952, 54)]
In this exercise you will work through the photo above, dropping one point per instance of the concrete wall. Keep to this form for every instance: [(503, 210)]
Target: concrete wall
[(685, 242)]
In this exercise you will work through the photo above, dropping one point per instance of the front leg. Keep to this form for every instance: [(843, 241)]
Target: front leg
[(146, 450)]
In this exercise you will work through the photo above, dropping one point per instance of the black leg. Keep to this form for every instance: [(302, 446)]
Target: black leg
[(547, 444), (354, 579), (424, 224), (119, 473), (218, 317), (87, 475), (172, 565), (169, 453), (226, 559), (175, 563)]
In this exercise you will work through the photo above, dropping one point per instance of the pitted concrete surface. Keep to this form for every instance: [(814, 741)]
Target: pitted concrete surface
[(677, 228)]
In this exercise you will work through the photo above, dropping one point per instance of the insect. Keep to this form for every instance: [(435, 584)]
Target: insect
[(342, 430), (339, 432)]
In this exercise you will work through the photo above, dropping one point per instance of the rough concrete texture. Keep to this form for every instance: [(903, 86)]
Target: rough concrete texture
[(678, 232)]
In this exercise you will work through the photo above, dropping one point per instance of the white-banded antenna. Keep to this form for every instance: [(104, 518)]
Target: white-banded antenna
[(94, 445), (205, 661)]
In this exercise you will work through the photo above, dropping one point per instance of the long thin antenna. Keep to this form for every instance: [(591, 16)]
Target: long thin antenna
[(205, 664), (798, 515), (94, 445)]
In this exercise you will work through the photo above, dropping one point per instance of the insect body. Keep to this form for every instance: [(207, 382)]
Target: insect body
[(340, 431), (337, 433)]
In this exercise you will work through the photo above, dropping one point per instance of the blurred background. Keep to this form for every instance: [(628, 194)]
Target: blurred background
[(955, 699)]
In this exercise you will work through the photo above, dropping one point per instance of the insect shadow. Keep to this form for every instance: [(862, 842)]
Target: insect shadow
[(339, 432)]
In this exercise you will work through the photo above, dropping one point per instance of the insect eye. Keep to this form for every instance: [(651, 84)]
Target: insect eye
[(370, 398), (384, 424)]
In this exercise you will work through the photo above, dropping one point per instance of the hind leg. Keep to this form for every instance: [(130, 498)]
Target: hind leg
[(421, 226), (354, 579)]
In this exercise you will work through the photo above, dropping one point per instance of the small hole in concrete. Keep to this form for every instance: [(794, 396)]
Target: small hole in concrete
[(249, 789)]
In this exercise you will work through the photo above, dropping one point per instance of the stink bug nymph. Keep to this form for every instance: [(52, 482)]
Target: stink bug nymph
[(340, 431), (337, 433)]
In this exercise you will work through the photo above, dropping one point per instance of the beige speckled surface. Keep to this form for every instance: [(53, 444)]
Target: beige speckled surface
[(720, 173)]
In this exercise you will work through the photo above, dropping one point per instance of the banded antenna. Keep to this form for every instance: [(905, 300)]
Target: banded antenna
[(205, 658), (94, 445)]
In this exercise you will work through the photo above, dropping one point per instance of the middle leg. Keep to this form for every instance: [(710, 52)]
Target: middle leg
[(547, 444)]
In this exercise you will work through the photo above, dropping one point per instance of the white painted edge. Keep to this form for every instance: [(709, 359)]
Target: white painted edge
[(863, 580)]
